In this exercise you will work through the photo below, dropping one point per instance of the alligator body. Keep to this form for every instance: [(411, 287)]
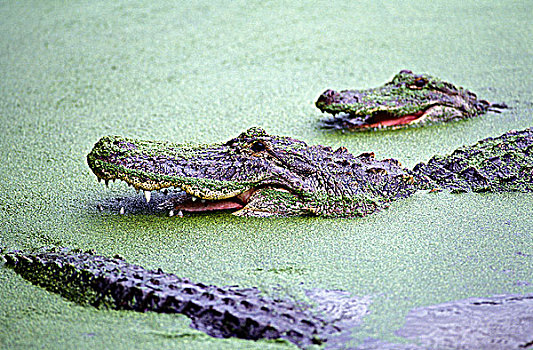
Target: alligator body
[(222, 312), (408, 99), (90, 279), (500, 164), (256, 174)]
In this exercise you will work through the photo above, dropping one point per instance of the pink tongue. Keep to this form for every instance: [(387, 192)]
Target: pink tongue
[(198, 206)]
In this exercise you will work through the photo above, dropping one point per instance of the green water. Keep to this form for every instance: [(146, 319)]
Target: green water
[(203, 72)]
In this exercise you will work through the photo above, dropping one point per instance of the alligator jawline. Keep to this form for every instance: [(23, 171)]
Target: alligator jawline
[(209, 205), (383, 118), (193, 204), (235, 203), (377, 120)]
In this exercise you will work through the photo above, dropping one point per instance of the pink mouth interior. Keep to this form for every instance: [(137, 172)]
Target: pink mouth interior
[(198, 206), (234, 203), (385, 119)]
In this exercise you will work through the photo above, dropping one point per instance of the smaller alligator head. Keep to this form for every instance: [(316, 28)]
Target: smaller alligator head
[(408, 99), (254, 174)]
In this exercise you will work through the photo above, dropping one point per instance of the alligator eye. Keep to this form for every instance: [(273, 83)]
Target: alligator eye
[(258, 146), (420, 82)]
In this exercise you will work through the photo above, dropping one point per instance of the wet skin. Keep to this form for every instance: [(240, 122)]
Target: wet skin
[(408, 99), (257, 174)]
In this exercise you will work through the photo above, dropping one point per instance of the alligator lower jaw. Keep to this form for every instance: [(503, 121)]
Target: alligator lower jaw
[(194, 203), (388, 120), (186, 202), (204, 206)]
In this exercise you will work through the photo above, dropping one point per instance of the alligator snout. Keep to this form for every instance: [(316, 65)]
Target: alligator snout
[(328, 96)]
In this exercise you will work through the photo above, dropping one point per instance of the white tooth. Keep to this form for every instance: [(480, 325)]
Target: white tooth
[(180, 214), (147, 196), (121, 211), (171, 213), (203, 201), (194, 198)]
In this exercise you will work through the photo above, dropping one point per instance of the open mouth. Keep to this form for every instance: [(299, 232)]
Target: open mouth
[(376, 120), (386, 119), (186, 203), (177, 200)]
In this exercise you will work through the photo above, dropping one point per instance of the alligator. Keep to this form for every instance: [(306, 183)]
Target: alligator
[(229, 311), (259, 175), (408, 99), (111, 283)]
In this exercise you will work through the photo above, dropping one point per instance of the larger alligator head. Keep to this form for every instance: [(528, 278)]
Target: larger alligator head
[(254, 174), (406, 100)]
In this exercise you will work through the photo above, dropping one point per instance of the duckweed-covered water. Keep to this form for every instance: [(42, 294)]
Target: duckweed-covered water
[(205, 71)]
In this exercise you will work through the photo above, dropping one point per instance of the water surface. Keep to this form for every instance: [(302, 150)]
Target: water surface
[(204, 72)]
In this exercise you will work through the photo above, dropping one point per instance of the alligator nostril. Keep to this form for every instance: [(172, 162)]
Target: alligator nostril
[(329, 93), (327, 96)]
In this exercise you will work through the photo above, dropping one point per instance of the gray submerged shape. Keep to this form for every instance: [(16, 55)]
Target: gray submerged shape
[(498, 322), (475, 323), (223, 312)]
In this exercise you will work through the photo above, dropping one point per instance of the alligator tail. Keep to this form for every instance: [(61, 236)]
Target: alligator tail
[(90, 279)]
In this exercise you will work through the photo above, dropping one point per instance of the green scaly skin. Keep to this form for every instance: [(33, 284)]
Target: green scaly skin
[(220, 311), (256, 174), (408, 99)]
